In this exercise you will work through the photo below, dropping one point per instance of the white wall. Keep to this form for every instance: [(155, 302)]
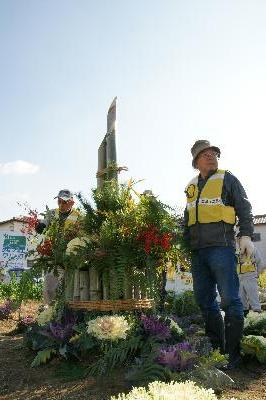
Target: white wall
[(179, 282), (7, 226)]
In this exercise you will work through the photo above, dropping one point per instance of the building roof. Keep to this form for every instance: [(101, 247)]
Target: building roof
[(259, 219), (17, 219)]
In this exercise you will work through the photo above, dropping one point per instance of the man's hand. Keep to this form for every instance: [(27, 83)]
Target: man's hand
[(246, 246)]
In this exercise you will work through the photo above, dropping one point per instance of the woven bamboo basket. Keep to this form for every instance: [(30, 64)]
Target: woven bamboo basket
[(112, 305)]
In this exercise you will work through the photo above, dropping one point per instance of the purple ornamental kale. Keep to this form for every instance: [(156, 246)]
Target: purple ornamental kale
[(5, 309), (179, 357), (61, 331), (154, 327)]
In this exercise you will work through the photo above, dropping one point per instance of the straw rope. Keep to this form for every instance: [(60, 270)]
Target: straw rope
[(112, 305)]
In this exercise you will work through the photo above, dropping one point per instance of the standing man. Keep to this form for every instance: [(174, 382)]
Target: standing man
[(214, 199), (63, 221)]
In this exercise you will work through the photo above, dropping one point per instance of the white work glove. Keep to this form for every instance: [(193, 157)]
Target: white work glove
[(246, 246)]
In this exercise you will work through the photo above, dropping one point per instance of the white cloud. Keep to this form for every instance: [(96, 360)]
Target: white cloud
[(18, 167)]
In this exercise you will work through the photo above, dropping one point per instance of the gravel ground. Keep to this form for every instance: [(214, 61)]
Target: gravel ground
[(20, 382)]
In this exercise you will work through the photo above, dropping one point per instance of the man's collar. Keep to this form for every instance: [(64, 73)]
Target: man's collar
[(209, 174)]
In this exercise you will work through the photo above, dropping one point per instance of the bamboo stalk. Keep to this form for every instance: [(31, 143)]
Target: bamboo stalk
[(69, 285), (84, 285), (76, 292), (94, 288)]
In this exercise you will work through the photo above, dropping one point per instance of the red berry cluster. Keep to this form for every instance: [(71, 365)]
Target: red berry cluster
[(152, 237), (45, 248), (30, 222)]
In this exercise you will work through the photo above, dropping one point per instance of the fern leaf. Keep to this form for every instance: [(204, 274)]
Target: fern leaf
[(148, 371), (42, 357), (116, 356)]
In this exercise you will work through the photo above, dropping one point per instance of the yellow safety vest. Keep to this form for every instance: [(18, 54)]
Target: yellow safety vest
[(245, 264), (71, 218), (208, 206)]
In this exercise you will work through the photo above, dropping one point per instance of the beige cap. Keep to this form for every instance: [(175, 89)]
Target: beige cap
[(201, 145)]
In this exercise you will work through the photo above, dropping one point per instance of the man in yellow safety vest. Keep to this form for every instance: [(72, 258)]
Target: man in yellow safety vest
[(214, 199), (64, 218)]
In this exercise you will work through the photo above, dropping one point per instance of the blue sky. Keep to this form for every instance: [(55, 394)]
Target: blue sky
[(182, 71)]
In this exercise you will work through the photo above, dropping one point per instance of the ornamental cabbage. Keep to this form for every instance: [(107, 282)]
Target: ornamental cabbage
[(75, 244), (165, 391), (108, 327), (255, 346), (255, 324), (45, 316)]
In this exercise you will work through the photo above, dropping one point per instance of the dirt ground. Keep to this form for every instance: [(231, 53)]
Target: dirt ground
[(18, 381)]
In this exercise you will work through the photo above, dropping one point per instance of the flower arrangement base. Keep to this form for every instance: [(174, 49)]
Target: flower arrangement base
[(112, 305)]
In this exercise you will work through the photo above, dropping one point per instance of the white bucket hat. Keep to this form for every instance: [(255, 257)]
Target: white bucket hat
[(201, 145)]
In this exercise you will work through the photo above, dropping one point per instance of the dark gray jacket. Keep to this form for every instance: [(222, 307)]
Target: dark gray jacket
[(221, 233)]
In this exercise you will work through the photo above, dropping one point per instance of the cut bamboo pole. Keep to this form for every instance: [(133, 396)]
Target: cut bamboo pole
[(94, 288), (69, 285), (76, 292), (84, 285)]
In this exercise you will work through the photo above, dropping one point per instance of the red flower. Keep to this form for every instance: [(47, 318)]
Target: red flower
[(152, 237), (30, 222), (165, 241), (45, 248)]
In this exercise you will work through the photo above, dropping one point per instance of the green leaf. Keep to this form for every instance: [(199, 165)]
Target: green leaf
[(148, 371), (117, 356), (42, 357)]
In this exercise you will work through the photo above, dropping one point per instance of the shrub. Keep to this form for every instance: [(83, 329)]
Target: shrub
[(24, 289), (184, 304)]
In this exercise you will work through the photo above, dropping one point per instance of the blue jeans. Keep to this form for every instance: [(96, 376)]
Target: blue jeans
[(216, 267)]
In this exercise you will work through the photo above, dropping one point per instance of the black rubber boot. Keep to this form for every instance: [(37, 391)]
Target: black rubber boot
[(233, 333), (214, 328)]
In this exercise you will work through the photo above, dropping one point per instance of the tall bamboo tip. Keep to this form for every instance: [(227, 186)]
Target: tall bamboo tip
[(113, 104)]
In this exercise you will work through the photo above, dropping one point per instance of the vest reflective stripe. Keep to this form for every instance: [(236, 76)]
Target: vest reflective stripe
[(246, 266), (209, 205)]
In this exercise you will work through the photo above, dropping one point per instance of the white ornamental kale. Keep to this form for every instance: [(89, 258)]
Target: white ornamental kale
[(45, 316), (75, 244), (168, 391), (108, 327)]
